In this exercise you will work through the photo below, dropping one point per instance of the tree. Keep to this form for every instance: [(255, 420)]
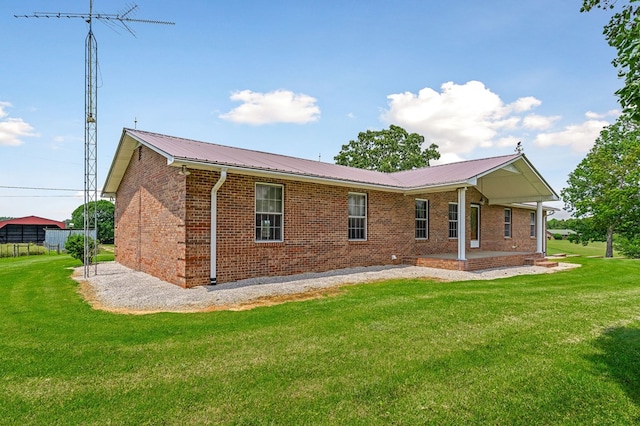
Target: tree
[(604, 189), (385, 150), (554, 223), (105, 216), (623, 33)]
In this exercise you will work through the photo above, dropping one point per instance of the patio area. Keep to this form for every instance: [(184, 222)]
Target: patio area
[(478, 260)]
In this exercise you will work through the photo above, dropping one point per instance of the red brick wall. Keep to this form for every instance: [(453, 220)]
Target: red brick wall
[(163, 226), (315, 230), (149, 218), (492, 232)]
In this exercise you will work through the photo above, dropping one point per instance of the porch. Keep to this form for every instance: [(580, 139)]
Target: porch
[(477, 260)]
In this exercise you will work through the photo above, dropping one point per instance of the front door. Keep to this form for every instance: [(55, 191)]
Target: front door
[(475, 226)]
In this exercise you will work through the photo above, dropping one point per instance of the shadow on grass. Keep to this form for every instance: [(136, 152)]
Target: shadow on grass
[(620, 358)]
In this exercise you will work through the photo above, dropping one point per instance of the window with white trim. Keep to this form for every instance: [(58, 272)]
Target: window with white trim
[(422, 219), (357, 216), (507, 223), (453, 220), (532, 224), (269, 212)]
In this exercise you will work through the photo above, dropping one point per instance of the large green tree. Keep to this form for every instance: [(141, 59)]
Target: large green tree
[(387, 150), (604, 189), (623, 33), (105, 216)]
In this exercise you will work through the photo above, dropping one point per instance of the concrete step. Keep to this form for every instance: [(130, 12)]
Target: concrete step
[(546, 263), (536, 261)]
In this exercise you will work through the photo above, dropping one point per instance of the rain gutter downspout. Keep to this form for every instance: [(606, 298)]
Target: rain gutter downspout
[(214, 199)]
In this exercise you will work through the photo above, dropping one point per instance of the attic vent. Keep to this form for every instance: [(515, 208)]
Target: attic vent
[(511, 168), (140, 153)]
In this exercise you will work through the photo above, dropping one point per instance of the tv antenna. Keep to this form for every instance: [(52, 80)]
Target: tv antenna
[(91, 114)]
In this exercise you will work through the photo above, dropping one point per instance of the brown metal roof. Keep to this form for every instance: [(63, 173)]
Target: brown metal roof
[(186, 150), (180, 149), (196, 154)]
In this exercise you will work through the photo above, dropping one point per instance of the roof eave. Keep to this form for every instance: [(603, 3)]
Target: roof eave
[(441, 187), (231, 168), (127, 145)]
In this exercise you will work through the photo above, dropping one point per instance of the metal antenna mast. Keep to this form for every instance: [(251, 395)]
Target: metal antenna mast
[(91, 115)]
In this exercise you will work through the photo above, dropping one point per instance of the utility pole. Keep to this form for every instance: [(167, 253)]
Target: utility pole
[(91, 116)]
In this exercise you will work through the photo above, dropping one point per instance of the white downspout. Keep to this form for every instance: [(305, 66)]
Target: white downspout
[(462, 220), (539, 229), (214, 230)]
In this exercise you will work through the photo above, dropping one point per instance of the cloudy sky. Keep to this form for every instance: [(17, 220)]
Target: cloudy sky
[(300, 78)]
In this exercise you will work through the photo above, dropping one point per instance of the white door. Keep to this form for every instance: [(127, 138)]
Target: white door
[(475, 225)]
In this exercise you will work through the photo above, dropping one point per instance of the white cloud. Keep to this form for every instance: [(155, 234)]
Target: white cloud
[(508, 141), (580, 137), (280, 106), (4, 105), (458, 119), (595, 116), (538, 122), (524, 104), (12, 129)]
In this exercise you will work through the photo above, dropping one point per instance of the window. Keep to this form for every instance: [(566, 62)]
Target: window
[(453, 220), (532, 224), (507, 223), (357, 216), (422, 219), (269, 208)]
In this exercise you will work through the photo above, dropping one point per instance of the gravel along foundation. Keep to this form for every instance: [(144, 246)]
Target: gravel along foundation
[(119, 289)]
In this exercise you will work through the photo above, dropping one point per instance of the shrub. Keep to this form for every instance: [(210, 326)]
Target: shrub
[(557, 236), (75, 247)]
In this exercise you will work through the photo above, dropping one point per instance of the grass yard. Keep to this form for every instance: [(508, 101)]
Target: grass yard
[(565, 246), (546, 349)]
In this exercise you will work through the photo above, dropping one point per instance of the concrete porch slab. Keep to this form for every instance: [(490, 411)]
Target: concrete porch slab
[(476, 260)]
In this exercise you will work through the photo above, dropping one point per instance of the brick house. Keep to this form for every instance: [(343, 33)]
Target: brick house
[(195, 213)]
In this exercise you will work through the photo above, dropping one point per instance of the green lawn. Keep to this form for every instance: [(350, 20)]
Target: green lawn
[(567, 247), (545, 349)]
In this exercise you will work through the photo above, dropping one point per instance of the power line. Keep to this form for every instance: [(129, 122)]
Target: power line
[(39, 196), (39, 189)]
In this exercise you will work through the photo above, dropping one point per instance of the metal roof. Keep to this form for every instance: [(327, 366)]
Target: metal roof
[(31, 220), (203, 155)]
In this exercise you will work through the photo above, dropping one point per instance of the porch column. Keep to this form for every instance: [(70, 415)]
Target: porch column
[(462, 220), (539, 229)]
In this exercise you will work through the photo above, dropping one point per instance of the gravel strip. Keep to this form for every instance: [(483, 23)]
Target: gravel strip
[(118, 288)]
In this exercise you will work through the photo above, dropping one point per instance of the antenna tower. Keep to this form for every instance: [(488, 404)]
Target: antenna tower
[(91, 114)]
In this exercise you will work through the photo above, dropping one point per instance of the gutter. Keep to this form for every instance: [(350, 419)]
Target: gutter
[(214, 231)]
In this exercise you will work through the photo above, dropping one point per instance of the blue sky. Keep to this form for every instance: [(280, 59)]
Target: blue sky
[(301, 79)]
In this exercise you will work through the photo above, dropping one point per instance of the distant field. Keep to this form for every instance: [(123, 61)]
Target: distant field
[(565, 246), (22, 249)]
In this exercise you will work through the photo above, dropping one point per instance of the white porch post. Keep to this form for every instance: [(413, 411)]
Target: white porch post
[(462, 220), (539, 229)]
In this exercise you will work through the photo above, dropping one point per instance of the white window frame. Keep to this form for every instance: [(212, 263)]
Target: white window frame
[(351, 217), (422, 219), (532, 225), (508, 223), (261, 231), (453, 223)]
